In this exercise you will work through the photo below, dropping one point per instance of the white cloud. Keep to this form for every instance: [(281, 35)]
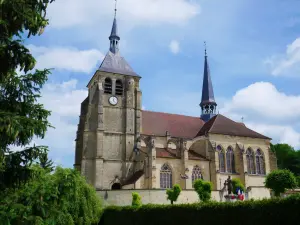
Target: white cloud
[(263, 99), (279, 134), (64, 101), (267, 111), (287, 64), (174, 46), (66, 58), (91, 12)]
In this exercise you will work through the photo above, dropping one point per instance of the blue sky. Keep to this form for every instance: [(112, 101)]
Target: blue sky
[(253, 48)]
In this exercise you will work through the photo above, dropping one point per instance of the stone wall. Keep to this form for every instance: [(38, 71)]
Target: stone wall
[(158, 196)]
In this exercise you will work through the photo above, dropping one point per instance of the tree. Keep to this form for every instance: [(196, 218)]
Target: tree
[(136, 199), (237, 184), (287, 157), (173, 194), (63, 197), (203, 189), (280, 180), (21, 117)]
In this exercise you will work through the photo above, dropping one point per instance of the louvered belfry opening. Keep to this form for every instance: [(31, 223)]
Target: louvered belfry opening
[(119, 87), (107, 86)]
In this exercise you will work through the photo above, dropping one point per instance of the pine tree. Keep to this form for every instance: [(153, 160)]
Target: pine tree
[(21, 117)]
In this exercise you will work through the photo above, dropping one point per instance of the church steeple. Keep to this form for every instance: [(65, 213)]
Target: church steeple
[(113, 62), (114, 37), (208, 104)]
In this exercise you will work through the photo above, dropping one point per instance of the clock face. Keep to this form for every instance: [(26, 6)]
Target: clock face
[(113, 100)]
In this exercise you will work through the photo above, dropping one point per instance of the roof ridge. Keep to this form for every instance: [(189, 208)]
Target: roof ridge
[(171, 114), (214, 118)]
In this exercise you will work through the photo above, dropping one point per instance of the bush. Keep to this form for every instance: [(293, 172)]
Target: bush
[(172, 194), (203, 189), (136, 199), (264, 212), (61, 198), (280, 180), (237, 184)]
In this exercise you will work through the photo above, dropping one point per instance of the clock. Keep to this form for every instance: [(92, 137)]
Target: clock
[(113, 100)]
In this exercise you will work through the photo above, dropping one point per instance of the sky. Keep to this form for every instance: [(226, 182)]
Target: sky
[(253, 51)]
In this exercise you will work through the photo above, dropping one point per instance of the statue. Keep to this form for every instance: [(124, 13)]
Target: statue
[(229, 185)]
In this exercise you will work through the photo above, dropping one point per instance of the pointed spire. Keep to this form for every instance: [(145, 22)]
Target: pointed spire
[(208, 103), (114, 37)]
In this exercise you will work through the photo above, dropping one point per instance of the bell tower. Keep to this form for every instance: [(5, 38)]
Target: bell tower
[(208, 104), (110, 120)]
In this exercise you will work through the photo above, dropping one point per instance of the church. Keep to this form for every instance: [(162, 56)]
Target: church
[(120, 146)]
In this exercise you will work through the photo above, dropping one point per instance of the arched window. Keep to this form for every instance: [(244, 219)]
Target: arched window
[(250, 161), (119, 87), (107, 85), (230, 160), (165, 176), (196, 174), (221, 159), (260, 162)]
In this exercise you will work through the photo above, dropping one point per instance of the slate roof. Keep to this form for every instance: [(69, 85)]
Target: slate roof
[(220, 124), (115, 63), (157, 123), (207, 87)]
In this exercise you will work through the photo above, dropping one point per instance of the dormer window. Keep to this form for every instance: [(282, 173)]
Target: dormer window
[(119, 87), (107, 86)]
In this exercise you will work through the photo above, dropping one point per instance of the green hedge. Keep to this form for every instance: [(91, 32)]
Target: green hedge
[(264, 212)]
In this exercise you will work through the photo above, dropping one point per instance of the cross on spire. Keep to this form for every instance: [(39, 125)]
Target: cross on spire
[(205, 49), (115, 8)]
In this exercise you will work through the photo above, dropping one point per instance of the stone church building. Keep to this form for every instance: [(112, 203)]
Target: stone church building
[(119, 146)]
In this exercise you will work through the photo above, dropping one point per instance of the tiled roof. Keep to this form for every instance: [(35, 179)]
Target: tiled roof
[(165, 153), (115, 63), (157, 123), (220, 124)]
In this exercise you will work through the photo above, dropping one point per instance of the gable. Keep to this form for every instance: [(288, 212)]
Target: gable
[(220, 124)]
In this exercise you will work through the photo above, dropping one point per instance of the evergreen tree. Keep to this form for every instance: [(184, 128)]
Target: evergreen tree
[(21, 117)]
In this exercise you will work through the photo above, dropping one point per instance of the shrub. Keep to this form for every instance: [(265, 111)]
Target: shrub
[(237, 184), (172, 194), (283, 211), (203, 189), (61, 198), (280, 180), (136, 199)]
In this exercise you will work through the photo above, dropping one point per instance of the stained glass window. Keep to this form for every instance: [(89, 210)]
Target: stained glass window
[(230, 163), (221, 159), (196, 174), (250, 161), (260, 162), (165, 176)]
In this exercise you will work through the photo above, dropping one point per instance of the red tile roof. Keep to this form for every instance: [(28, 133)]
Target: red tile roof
[(166, 153), (220, 124), (157, 123)]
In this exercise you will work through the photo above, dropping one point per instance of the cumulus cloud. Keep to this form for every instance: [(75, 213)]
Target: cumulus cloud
[(174, 46), (64, 100), (90, 12), (279, 134), (264, 100), (63, 58), (267, 111), (288, 63)]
